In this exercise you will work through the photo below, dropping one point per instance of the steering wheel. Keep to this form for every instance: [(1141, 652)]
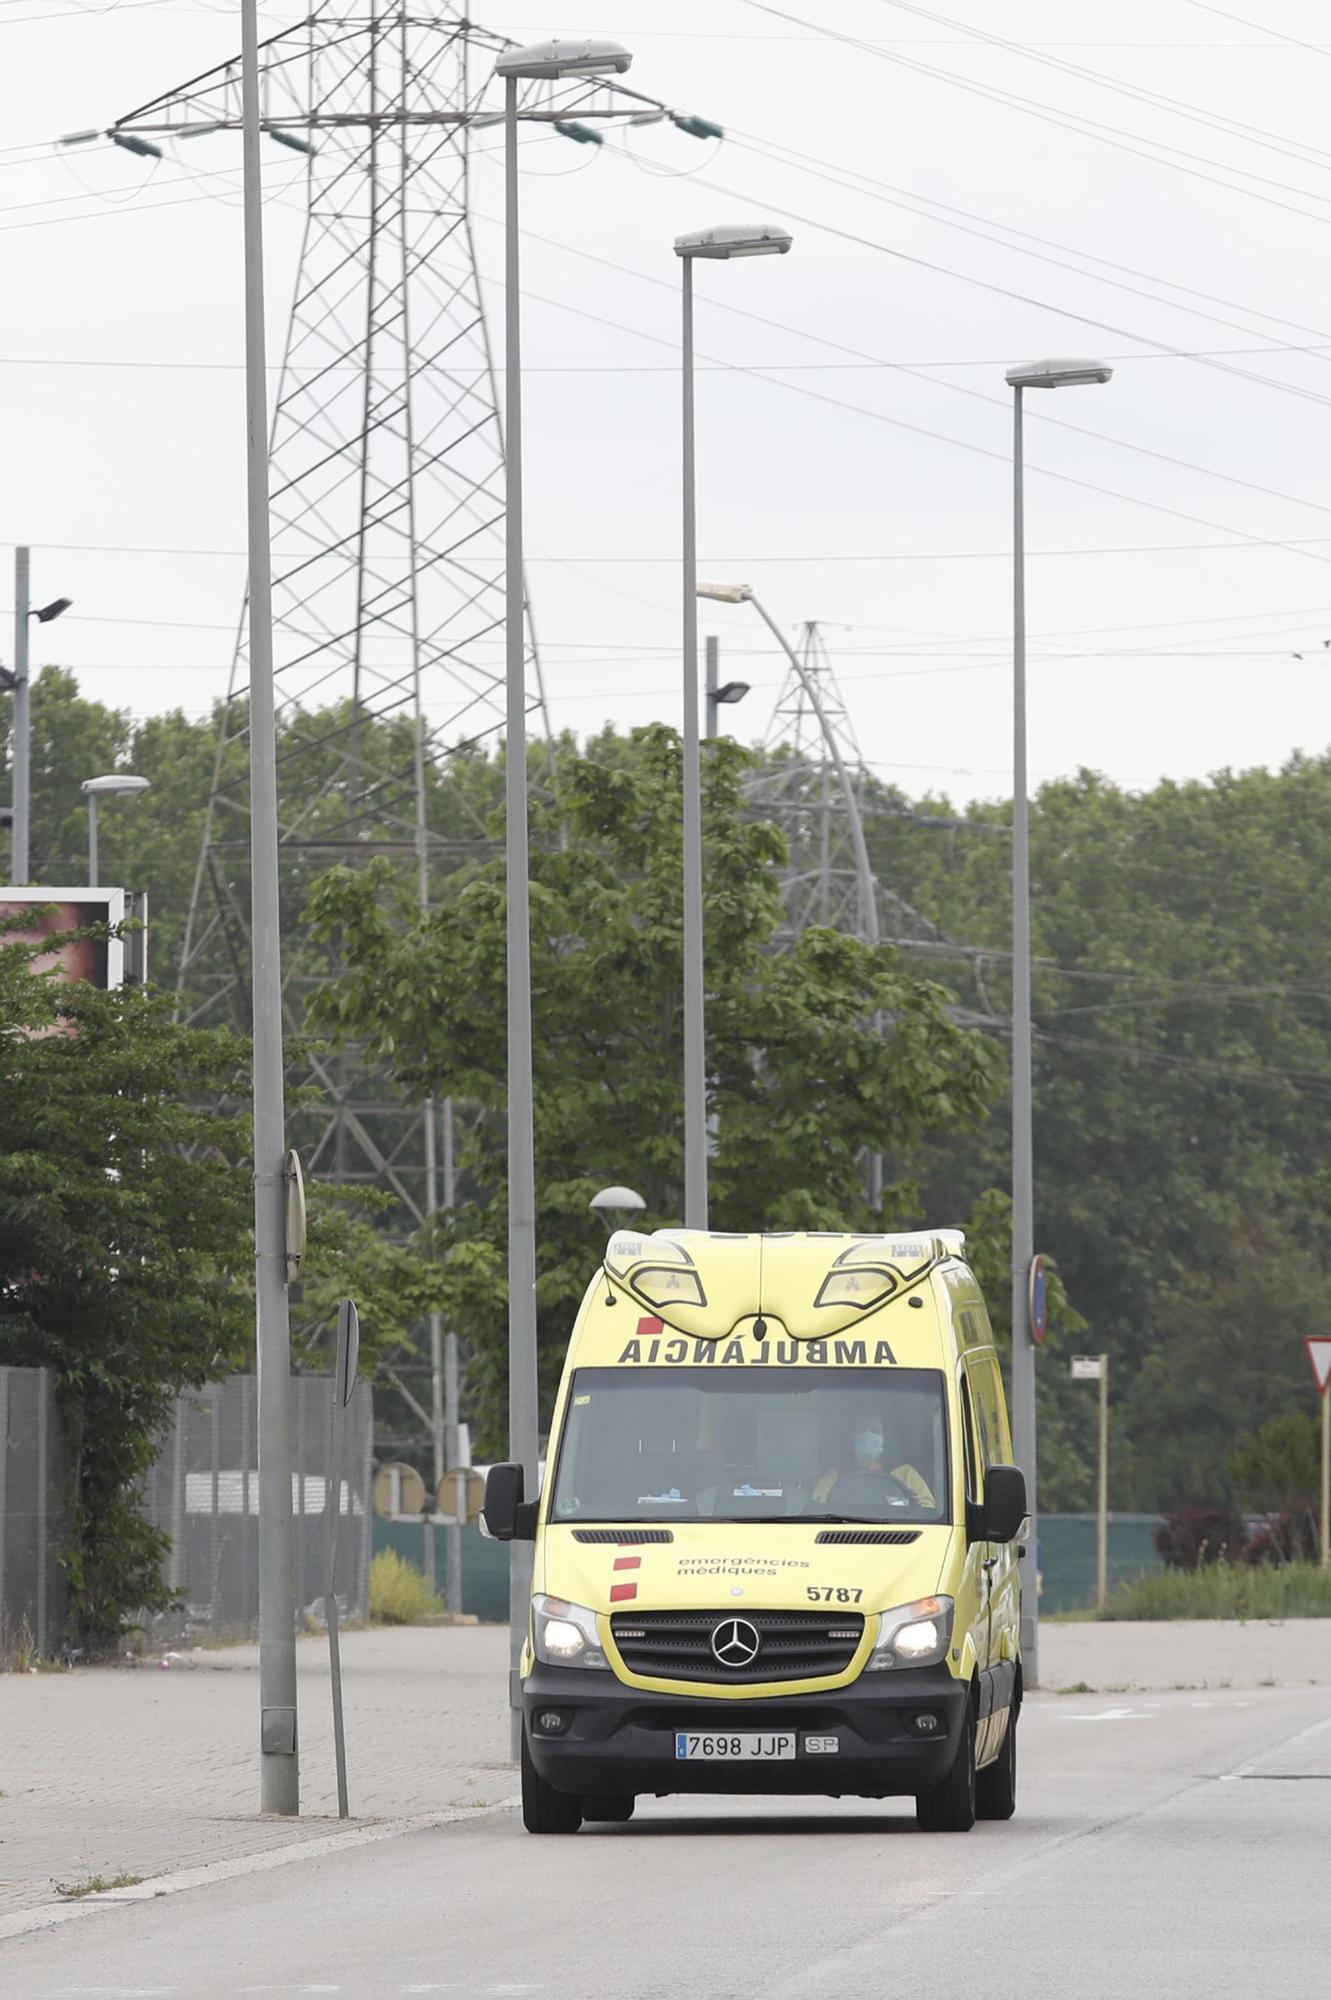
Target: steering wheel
[(876, 1494)]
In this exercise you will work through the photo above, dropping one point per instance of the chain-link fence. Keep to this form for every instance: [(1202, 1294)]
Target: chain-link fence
[(203, 1491), (32, 1514)]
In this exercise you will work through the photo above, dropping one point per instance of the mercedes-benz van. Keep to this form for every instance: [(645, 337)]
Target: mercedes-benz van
[(776, 1550)]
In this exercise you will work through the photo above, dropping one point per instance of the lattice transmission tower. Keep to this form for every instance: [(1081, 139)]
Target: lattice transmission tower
[(387, 483), (799, 788)]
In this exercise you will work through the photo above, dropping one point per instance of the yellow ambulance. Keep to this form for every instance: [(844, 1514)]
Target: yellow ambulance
[(776, 1551)]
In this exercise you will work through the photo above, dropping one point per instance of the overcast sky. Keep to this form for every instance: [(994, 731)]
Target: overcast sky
[(1178, 563)]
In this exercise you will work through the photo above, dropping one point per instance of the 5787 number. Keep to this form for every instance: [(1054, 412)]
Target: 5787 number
[(832, 1594)]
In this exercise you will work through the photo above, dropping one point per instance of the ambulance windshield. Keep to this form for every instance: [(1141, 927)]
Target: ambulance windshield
[(711, 1444)]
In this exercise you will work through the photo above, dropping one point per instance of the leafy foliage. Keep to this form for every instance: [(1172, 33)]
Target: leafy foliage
[(801, 1084), (1181, 1062), (124, 1232)]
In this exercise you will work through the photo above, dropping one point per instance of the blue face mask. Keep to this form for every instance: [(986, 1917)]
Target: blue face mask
[(868, 1447)]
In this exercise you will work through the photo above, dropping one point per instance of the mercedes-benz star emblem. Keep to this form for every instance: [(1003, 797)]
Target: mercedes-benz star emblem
[(735, 1642)]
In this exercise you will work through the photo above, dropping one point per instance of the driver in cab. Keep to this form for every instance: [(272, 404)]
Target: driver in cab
[(870, 1453)]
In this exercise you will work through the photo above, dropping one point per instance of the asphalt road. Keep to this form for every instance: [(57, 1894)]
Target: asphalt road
[(1165, 1845)]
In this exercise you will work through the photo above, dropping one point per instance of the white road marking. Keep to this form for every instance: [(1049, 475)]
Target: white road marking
[(1110, 1715), (48, 1915), (1250, 1764)]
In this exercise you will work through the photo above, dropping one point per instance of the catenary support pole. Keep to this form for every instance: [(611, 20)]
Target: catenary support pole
[(1023, 1194), (279, 1757), (695, 1024), (1102, 1498), (523, 1435), (22, 752)]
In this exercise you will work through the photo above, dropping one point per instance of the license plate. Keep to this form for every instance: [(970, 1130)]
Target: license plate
[(732, 1749)]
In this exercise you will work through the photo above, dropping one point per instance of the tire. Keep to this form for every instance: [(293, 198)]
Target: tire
[(949, 1806), (617, 1806), (996, 1784), (544, 1810)]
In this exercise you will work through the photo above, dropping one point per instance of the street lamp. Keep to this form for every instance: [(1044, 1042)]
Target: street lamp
[(1035, 375), (17, 683), (734, 239), (719, 694), (541, 60), (117, 784), (742, 593)]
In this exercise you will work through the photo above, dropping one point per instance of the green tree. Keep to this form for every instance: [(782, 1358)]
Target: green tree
[(124, 1234), (801, 1083), (1181, 1060)]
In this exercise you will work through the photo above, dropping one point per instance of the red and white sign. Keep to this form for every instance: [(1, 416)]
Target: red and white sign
[(1319, 1353)]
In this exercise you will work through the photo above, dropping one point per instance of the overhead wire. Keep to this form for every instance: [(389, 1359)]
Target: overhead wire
[(1109, 135), (1177, 107)]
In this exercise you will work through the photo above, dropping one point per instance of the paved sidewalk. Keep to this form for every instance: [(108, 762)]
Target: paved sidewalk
[(1187, 1653), (145, 1771)]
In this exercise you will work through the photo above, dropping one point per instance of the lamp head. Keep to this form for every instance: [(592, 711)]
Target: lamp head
[(1057, 374), (580, 56), (735, 239), (726, 593), (612, 1201), (51, 610), (115, 783), (733, 691)]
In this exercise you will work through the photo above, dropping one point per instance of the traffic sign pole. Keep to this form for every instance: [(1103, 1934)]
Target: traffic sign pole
[(1326, 1481), (1319, 1359)]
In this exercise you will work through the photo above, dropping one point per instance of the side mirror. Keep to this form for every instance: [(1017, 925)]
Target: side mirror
[(508, 1517), (1004, 1507)]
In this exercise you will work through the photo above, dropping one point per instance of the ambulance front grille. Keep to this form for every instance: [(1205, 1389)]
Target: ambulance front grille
[(792, 1645)]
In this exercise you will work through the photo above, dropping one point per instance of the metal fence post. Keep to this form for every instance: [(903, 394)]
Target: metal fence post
[(4, 1469), (43, 1379)]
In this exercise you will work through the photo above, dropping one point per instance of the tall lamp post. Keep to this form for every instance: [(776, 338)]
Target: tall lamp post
[(1036, 375), (734, 239), (17, 683), (542, 61), (117, 785)]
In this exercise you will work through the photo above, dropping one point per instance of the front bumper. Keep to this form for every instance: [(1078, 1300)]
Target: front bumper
[(618, 1739)]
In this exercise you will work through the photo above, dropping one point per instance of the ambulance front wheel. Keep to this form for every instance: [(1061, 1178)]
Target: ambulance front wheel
[(544, 1810), (949, 1806)]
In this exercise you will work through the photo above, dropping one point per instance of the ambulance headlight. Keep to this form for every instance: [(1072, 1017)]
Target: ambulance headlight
[(565, 1635), (914, 1635)]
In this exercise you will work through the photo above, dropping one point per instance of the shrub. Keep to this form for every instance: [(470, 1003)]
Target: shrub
[(1192, 1537), (1226, 1590), (399, 1593), (1284, 1538)]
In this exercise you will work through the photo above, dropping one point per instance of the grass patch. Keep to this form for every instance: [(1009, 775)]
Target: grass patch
[(1077, 1687), (1226, 1590), (399, 1593), (96, 1885)]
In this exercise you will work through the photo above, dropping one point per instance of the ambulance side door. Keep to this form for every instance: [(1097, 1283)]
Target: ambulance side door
[(1000, 1558), (977, 1584)]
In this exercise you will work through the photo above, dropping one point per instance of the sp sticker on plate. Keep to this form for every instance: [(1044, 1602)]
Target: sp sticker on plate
[(821, 1746)]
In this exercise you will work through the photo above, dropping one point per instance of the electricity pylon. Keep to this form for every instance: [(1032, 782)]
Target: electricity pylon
[(387, 482), (797, 786)]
